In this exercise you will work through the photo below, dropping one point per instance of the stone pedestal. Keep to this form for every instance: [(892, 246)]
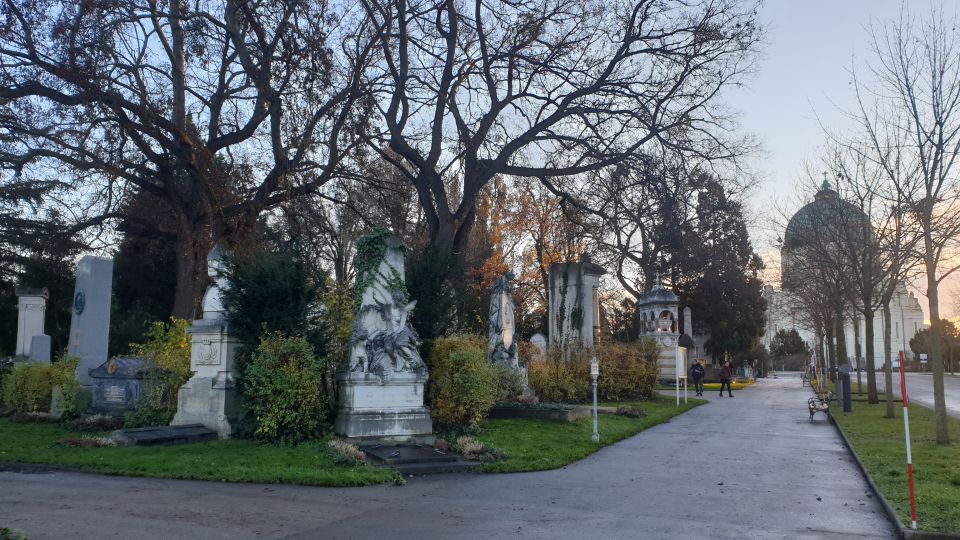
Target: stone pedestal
[(209, 397), (390, 411)]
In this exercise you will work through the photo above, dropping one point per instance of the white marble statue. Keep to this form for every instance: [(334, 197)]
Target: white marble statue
[(213, 297), (502, 342), (383, 342)]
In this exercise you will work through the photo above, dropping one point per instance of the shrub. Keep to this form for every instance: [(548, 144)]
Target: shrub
[(283, 388), (167, 347), (559, 379), (72, 398), (475, 450), (463, 384), (628, 371), (344, 453), (28, 387)]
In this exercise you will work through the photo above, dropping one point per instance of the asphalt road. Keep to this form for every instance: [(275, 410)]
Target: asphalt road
[(920, 389), (748, 467)]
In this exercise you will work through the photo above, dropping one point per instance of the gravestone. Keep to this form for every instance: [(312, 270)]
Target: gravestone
[(40, 349), (539, 341), (381, 392), (90, 323), (502, 348), (118, 385), (502, 343), (209, 397), (574, 314), (31, 312)]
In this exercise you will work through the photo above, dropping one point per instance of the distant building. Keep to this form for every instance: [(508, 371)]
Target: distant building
[(782, 311)]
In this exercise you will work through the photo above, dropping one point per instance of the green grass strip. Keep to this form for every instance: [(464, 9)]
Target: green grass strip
[(537, 445), (879, 443), (227, 461)]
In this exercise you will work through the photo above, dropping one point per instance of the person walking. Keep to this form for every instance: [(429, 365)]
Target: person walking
[(726, 374), (696, 374)]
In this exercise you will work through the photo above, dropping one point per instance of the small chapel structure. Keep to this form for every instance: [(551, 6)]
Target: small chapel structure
[(660, 321)]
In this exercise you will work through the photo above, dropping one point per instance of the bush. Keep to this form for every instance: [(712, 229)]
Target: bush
[(167, 347), (72, 398), (627, 372), (463, 385), (283, 388), (28, 387), (556, 379)]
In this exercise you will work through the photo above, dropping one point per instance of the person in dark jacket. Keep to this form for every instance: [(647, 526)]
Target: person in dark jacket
[(726, 374), (696, 374)]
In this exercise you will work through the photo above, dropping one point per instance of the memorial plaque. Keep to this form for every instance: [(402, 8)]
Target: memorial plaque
[(115, 394)]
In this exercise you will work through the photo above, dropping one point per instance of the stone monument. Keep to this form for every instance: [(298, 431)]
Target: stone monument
[(209, 397), (659, 321), (574, 314), (502, 340), (90, 323), (382, 390), (502, 345), (32, 307)]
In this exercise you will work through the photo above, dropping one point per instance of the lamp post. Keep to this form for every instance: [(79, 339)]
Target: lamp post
[(594, 373)]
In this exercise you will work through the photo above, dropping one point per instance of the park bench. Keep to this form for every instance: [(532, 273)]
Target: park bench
[(819, 403), (805, 379)]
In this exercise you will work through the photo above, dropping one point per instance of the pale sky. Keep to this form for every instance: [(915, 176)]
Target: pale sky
[(804, 73)]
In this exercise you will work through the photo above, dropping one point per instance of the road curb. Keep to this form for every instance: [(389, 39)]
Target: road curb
[(905, 532)]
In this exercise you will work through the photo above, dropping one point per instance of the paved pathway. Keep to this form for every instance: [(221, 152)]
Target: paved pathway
[(920, 389), (748, 467)]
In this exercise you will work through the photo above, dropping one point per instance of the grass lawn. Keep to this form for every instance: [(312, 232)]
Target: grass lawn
[(536, 445), (230, 460), (879, 443)]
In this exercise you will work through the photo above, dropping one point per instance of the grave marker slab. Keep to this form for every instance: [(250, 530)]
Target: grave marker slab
[(90, 323)]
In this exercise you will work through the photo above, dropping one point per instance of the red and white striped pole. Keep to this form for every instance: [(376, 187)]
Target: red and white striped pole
[(906, 433)]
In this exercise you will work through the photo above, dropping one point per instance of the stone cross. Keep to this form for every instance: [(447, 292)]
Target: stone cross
[(32, 307), (90, 323)]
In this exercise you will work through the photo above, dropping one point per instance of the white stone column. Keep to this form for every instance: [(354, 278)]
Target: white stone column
[(32, 308)]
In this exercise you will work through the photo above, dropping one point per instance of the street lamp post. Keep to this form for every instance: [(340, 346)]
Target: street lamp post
[(594, 373)]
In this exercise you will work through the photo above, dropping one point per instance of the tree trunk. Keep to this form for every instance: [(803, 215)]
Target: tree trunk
[(936, 354), (191, 251), (857, 351), (831, 356), (887, 355), (868, 318)]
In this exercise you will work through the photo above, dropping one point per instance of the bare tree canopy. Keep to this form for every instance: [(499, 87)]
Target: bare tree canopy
[(548, 88), (909, 112), (178, 119)]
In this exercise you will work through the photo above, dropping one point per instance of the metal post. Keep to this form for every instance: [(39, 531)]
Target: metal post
[(906, 434), (594, 373)]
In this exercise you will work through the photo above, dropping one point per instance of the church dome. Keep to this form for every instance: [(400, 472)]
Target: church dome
[(816, 223), (826, 210)]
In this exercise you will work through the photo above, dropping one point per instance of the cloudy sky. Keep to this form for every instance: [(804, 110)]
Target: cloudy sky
[(803, 79)]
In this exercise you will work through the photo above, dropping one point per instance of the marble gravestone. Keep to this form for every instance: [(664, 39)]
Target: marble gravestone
[(502, 348), (382, 390), (90, 322), (31, 311), (209, 397)]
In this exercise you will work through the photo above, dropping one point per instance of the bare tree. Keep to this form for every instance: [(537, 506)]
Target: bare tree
[(912, 103), (207, 112), (548, 89)]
